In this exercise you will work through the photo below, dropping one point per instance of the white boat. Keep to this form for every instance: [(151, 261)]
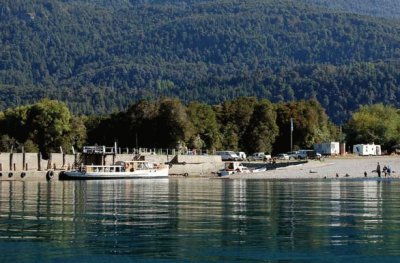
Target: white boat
[(238, 167), (121, 170)]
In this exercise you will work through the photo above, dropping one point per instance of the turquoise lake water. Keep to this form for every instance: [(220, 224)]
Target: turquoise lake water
[(200, 220)]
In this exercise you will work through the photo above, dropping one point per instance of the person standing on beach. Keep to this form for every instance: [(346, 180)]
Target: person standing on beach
[(378, 170)]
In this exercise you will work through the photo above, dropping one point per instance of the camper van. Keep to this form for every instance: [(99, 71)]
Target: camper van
[(367, 149), (327, 148)]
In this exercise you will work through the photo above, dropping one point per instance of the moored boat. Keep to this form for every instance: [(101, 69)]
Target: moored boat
[(120, 170), (238, 167)]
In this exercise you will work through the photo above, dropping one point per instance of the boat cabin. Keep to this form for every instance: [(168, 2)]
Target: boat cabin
[(131, 166), (104, 169), (121, 166)]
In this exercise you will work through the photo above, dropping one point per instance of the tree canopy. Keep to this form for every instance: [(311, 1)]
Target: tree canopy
[(377, 124), (243, 124)]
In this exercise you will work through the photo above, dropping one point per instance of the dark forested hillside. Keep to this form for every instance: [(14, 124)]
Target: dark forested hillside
[(99, 56), (379, 8)]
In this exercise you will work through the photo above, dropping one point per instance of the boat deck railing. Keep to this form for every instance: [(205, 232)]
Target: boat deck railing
[(98, 150)]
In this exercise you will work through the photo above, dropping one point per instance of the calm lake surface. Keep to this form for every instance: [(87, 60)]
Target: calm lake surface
[(200, 220)]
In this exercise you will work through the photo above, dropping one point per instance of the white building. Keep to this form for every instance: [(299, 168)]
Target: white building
[(367, 149), (327, 148)]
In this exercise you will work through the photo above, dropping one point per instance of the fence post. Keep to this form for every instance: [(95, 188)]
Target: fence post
[(23, 158), (49, 161), (39, 158), (11, 161)]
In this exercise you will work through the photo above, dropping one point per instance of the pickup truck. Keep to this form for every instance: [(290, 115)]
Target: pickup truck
[(309, 154)]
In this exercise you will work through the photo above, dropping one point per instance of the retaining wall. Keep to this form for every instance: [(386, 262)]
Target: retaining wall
[(27, 176), (33, 162), (192, 165), (196, 165), (4, 161)]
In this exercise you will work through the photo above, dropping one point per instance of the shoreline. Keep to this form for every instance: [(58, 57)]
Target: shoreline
[(330, 168)]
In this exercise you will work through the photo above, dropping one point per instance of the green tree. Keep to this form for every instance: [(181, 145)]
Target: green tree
[(262, 129), (376, 123), (13, 123), (49, 124), (234, 117), (77, 134), (173, 125), (142, 123), (206, 128), (311, 125)]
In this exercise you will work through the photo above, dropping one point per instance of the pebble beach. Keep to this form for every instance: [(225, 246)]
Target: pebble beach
[(333, 167)]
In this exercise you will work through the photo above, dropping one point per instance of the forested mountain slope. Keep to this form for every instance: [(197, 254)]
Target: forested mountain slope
[(99, 55), (379, 8)]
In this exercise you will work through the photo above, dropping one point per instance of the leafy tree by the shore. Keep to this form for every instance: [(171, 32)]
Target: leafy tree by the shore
[(262, 129), (234, 117), (205, 124), (242, 124), (310, 125), (379, 124), (48, 123), (45, 126)]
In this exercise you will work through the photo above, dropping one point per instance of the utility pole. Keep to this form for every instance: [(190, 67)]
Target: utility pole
[(291, 134), (136, 140)]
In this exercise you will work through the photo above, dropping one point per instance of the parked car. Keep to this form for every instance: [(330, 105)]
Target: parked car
[(282, 156), (293, 155), (309, 154), (228, 155)]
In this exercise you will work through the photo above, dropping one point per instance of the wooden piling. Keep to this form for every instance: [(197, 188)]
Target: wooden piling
[(39, 158), (11, 161), (23, 158)]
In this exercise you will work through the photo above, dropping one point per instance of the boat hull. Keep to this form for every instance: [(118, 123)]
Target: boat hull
[(78, 175)]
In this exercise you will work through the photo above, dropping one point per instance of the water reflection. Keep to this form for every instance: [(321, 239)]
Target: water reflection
[(201, 220)]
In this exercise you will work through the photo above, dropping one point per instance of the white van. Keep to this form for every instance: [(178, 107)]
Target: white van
[(228, 155)]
